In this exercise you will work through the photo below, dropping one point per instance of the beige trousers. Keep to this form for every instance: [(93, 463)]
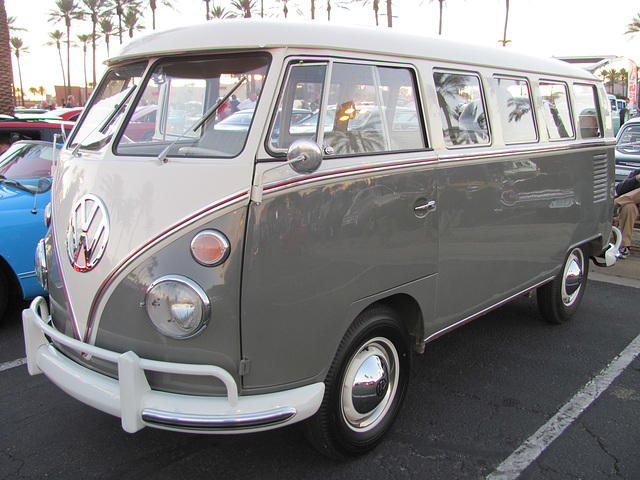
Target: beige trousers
[(628, 214)]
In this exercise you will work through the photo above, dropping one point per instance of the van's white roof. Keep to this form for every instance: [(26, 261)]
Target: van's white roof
[(247, 34)]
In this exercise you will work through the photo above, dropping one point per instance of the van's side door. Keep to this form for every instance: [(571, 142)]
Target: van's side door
[(359, 228)]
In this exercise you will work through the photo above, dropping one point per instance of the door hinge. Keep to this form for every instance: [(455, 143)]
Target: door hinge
[(245, 366)]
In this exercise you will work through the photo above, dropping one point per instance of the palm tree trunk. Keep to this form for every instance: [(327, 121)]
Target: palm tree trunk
[(6, 96), (506, 21), (20, 79), (389, 14), (440, 24), (68, 92)]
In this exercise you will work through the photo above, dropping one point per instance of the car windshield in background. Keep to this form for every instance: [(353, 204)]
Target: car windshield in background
[(27, 160), (629, 139)]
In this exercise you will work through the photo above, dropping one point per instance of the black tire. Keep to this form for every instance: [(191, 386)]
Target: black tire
[(559, 299), (354, 419), (4, 293)]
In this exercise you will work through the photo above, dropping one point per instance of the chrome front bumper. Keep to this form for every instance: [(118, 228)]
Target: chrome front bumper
[(131, 398)]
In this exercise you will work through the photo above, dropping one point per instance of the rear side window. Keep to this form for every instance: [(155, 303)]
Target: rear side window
[(364, 109), (516, 114), (462, 110), (588, 111), (556, 110)]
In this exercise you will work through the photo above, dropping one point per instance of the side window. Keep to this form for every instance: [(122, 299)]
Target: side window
[(372, 109), (368, 109), (516, 114), (588, 111), (556, 110), (462, 111), (299, 106)]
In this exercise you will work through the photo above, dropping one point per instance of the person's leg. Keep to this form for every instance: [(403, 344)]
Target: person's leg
[(628, 214)]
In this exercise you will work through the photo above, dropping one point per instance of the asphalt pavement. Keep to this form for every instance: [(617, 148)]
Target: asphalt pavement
[(504, 393)]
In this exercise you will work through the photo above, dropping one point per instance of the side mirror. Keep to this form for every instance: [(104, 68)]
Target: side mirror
[(304, 156)]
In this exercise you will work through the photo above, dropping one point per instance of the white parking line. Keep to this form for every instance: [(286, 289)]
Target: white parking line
[(12, 364), (531, 449)]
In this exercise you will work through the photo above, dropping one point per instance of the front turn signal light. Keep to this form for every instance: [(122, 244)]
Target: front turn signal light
[(210, 248)]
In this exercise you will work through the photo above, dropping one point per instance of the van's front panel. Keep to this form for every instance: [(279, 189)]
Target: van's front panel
[(146, 181)]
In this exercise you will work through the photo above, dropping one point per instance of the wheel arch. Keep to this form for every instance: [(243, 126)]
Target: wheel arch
[(10, 276)]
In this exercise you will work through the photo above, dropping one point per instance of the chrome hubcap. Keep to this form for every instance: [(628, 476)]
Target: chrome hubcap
[(370, 384), (572, 278)]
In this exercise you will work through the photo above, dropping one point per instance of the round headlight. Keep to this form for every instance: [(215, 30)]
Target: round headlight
[(40, 264), (177, 307)]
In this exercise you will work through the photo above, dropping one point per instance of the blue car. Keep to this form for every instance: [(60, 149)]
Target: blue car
[(25, 191)]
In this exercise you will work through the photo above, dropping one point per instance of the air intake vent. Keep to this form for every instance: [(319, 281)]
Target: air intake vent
[(600, 178)]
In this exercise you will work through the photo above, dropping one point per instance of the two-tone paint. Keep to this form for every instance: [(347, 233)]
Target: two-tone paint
[(444, 235)]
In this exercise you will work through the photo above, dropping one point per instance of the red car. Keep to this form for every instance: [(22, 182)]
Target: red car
[(33, 129)]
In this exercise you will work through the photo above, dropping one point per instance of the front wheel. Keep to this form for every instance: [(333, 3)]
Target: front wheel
[(365, 386), (559, 299)]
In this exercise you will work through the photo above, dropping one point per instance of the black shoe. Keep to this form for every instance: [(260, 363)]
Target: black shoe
[(624, 252)]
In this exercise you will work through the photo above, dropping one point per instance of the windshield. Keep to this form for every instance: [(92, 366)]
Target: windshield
[(187, 107), (108, 106), (630, 137), (27, 160)]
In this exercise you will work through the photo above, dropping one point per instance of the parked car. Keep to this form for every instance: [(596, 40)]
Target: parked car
[(628, 148), (25, 183), (40, 128)]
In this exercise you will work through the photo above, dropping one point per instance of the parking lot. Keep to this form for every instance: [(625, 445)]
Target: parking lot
[(477, 395)]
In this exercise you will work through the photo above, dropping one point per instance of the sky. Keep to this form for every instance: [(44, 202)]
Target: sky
[(542, 28)]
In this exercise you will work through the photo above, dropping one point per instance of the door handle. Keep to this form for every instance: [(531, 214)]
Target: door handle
[(422, 208)]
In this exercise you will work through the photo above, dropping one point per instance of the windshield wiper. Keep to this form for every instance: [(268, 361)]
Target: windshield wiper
[(117, 108), (202, 120), (15, 184)]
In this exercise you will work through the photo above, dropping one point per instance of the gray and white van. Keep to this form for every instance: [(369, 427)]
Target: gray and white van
[(384, 189)]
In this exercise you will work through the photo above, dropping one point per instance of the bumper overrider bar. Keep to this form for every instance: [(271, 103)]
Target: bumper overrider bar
[(131, 398)]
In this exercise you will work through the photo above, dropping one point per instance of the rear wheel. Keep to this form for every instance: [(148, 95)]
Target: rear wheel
[(559, 299), (365, 386)]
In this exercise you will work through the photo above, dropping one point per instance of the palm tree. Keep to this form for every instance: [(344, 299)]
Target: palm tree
[(634, 26), (243, 7), (121, 7), (131, 20), (153, 4), (57, 37), (41, 91), (6, 97), (219, 12), (11, 21), (106, 27), (389, 14), (610, 76), (95, 9), (624, 79), (207, 2), (67, 11), (18, 47), (441, 2), (504, 40), (376, 7), (84, 40), (285, 9)]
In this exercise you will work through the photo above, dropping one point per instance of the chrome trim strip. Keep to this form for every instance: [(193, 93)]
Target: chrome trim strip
[(439, 333), (217, 422), (223, 203)]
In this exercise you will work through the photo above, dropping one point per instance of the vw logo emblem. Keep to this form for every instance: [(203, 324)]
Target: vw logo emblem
[(88, 233)]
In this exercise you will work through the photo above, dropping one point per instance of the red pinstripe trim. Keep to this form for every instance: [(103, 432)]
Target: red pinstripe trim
[(145, 246)]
